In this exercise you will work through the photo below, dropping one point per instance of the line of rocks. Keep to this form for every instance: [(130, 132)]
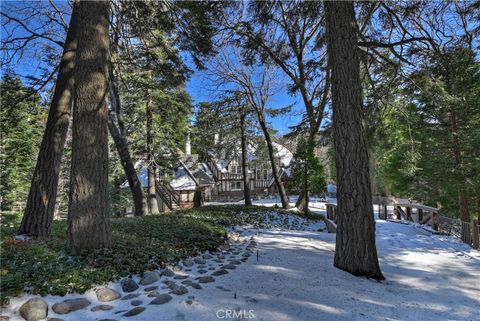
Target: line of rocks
[(37, 309)]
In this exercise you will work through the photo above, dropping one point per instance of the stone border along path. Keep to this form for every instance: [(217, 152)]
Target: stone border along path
[(155, 287)]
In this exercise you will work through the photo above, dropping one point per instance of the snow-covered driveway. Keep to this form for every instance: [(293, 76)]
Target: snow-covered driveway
[(428, 278), (293, 279)]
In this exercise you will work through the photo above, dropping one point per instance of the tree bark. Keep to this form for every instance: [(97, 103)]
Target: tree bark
[(355, 249), (39, 211), (303, 199), (271, 155), (152, 168), (462, 195), (139, 201), (89, 206), (246, 185)]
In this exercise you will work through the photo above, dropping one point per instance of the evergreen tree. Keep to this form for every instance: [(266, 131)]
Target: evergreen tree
[(21, 122), (307, 171)]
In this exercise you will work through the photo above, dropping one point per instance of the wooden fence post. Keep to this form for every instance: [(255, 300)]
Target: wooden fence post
[(409, 213), (435, 221), (420, 214), (397, 213), (385, 213), (475, 236)]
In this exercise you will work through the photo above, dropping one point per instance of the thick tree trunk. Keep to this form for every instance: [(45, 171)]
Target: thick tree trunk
[(119, 136), (139, 200), (271, 155), (89, 206), (462, 195), (246, 181), (39, 212), (355, 249), (152, 168), (302, 201)]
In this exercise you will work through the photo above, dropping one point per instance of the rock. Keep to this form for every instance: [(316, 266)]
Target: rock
[(220, 272), (176, 268), (179, 290), (70, 305), (223, 289), (180, 277), (188, 270), (202, 266), (195, 285), (168, 272), (245, 259), (5, 318), (170, 284), (106, 295), (153, 294), (202, 271), (199, 260), (230, 266), (120, 311), (189, 302), (134, 311), (207, 256), (206, 279), (130, 296), (236, 262), (246, 254), (128, 285), (188, 262), (149, 278), (34, 309), (136, 302), (161, 299), (150, 288), (102, 307), (211, 268)]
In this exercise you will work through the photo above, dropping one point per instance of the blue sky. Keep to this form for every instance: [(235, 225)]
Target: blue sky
[(199, 87)]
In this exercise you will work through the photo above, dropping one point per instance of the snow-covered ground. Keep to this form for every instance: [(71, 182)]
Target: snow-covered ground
[(428, 277)]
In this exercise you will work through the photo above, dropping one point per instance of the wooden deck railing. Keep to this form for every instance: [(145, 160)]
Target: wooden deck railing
[(468, 232)]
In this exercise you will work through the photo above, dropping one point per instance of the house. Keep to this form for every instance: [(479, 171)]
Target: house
[(226, 168), (220, 178)]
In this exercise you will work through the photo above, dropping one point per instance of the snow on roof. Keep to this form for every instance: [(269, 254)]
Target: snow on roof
[(283, 153), (183, 183)]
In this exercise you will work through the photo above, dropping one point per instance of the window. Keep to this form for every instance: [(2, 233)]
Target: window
[(265, 174), (259, 174), (235, 169), (236, 186)]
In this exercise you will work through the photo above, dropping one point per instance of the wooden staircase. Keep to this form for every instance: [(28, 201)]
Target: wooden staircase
[(169, 196)]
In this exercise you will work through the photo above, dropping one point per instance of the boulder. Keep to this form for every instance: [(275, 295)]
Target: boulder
[(149, 278), (130, 296), (70, 305), (199, 260), (34, 309), (206, 279), (106, 295), (134, 311), (128, 285), (102, 307), (179, 290), (220, 272), (136, 302), (161, 299), (168, 272)]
